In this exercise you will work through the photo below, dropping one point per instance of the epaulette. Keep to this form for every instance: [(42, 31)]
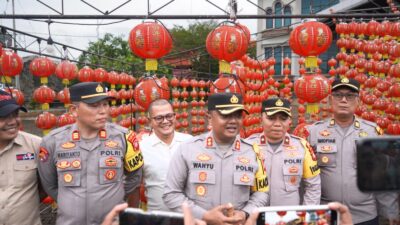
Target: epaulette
[(246, 141), (60, 129), (320, 122), (253, 136), (369, 123), (197, 138), (117, 127), (295, 137)]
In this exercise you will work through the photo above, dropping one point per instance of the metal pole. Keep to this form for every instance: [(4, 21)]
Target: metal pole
[(17, 85)]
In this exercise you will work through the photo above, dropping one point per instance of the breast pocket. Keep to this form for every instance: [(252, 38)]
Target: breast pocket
[(69, 172), (110, 169), (25, 173), (292, 174), (326, 155), (203, 182), (242, 183)]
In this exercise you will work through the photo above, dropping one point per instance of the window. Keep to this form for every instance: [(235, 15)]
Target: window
[(278, 58), (331, 52), (287, 52), (287, 11), (279, 53), (278, 11), (269, 22), (314, 6), (268, 52)]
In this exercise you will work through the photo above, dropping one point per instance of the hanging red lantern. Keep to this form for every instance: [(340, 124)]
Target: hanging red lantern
[(10, 65), (148, 90), (227, 43), (226, 83), (66, 71), (85, 74), (64, 96), (309, 40), (42, 67), (46, 121), (113, 79), (100, 75), (312, 89), (65, 119), (151, 41), (44, 95), (16, 94)]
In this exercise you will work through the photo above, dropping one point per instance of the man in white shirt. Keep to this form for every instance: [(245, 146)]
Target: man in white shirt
[(157, 149)]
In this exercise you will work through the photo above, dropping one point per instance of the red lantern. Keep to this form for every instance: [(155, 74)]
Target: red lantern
[(226, 83), (150, 40), (42, 67), (312, 89), (65, 119), (100, 75), (10, 65), (66, 71), (150, 89), (113, 78), (46, 121), (44, 94), (85, 74), (310, 39), (64, 97), (16, 94)]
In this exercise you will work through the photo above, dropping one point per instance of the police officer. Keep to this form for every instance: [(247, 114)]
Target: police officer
[(288, 158), (90, 166), (217, 168), (334, 140)]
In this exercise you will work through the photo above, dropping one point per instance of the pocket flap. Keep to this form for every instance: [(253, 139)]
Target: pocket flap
[(25, 166), (205, 177)]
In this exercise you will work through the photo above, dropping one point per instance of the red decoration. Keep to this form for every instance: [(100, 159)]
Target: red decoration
[(66, 71), (150, 89), (64, 97), (42, 67), (10, 65), (44, 94), (65, 119), (85, 74), (312, 89), (46, 121), (100, 75), (17, 95), (226, 83)]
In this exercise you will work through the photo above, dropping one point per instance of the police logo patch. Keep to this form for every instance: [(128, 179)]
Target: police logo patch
[(201, 190), (202, 176), (293, 169), (244, 160), (110, 174), (326, 148), (293, 180), (234, 99), (203, 157), (111, 144), (43, 154), (68, 145), (245, 178), (63, 164), (325, 159), (111, 162), (68, 178), (26, 156), (76, 164), (325, 133)]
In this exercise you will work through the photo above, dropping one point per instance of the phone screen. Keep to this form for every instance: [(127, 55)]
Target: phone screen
[(378, 164), (129, 218), (301, 217)]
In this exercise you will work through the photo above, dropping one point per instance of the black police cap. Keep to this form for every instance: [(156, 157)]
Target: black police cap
[(226, 103), (88, 92), (274, 105), (8, 104), (346, 82)]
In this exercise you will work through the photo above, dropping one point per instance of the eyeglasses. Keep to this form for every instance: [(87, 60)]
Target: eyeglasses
[(349, 96), (160, 118)]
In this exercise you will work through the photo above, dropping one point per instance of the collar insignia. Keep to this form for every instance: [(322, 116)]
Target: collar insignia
[(356, 124), (286, 141), (103, 134), (262, 140), (332, 122), (209, 142), (237, 145), (76, 136)]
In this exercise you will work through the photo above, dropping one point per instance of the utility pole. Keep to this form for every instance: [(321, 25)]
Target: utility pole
[(17, 85)]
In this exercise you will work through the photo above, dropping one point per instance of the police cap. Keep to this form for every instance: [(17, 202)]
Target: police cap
[(226, 103), (88, 92), (274, 105), (8, 104), (353, 84)]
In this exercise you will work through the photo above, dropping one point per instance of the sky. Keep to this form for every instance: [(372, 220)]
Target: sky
[(79, 36)]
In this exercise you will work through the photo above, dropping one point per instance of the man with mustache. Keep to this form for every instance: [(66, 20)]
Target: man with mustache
[(157, 150), (19, 198), (335, 143), (92, 165), (218, 173), (289, 160)]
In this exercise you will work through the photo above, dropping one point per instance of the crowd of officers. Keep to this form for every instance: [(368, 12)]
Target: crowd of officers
[(93, 165)]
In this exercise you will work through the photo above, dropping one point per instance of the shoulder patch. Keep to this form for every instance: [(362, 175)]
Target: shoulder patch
[(369, 123), (117, 127), (59, 130), (246, 141), (296, 137), (379, 130)]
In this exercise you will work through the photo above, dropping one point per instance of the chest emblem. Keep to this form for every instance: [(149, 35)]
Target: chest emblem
[(111, 162), (293, 169), (202, 176), (204, 157), (245, 178), (110, 174), (325, 159), (68, 178), (112, 144), (244, 160), (201, 190), (68, 145), (63, 164), (326, 148), (325, 133), (76, 164), (363, 134)]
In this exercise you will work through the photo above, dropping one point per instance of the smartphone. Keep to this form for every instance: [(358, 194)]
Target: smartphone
[(302, 215), (134, 216), (378, 164)]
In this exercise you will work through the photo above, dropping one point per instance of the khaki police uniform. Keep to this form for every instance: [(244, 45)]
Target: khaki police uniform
[(206, 177), (286, 167), (336, 153), (19, 198), (88, 178)]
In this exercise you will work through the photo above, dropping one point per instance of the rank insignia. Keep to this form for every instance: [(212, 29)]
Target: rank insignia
[(209, 142), (76, 164), (68, 178), (325, 133), (326, 148), (203, 157), (43, 154), (332, 122), (110, 174), (356, 124), (263, 141), (325, 159), (234, 99), (76, 136), (111, 144), (279, 102), (363, 134), (68, 145), (344, 80), (286, 141), (202, 176), (293, 180), (63, 164), (293, 169), (99, 89), (245, 178), (237, 145), (244, 160), (201, 190), (102, 134), (379, 130), (111, 162), (26, 156)]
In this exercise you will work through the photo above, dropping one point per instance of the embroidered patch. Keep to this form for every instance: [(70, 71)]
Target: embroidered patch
[(244, 160), (111, 144), (245, 178), (26, 156), (68, 178), (76, 164), (204, 157), (43, 154), (110, 161), (202, 176), (325, 133), (201, 190), (68, 145), (63, 164), (110, 174)]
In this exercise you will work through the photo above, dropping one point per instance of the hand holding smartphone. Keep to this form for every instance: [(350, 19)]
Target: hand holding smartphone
[(302, 215), (134, 216)]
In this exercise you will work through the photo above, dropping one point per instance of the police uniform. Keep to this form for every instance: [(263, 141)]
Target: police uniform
[(336, 153), (292, 162), (88, 179), (208, 177)]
